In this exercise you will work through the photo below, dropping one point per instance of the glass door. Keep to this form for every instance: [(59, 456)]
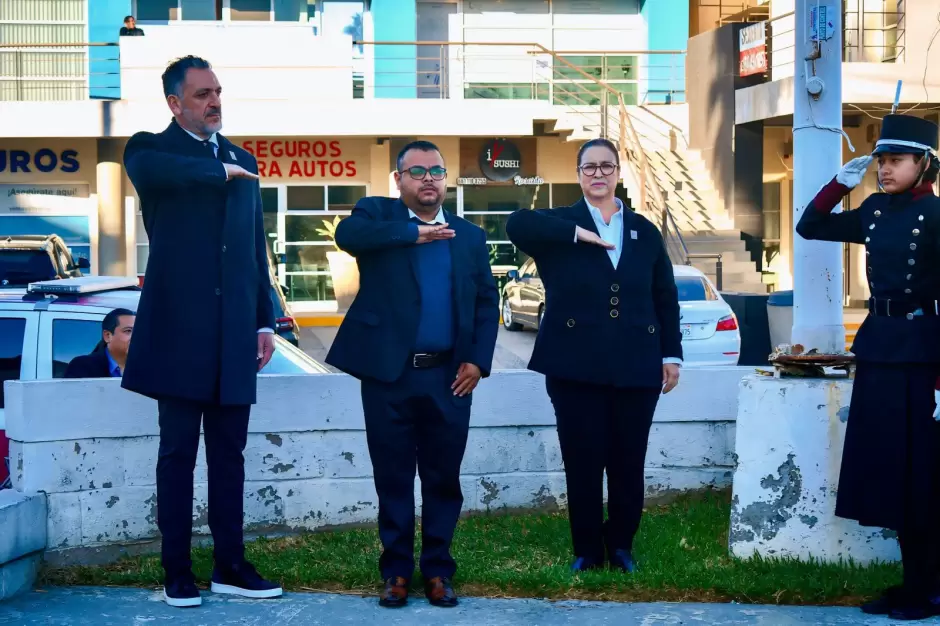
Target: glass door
[(299, 221)]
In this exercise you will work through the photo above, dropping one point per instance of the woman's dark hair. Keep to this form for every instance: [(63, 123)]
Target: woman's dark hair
[(600, 141), (933, 167)]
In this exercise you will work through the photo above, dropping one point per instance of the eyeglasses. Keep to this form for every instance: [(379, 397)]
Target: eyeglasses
[(418, 172), (590, 169)]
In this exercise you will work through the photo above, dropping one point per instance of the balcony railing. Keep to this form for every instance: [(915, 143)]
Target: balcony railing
[(31, 72)]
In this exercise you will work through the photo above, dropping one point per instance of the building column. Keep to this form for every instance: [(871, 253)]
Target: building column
[(379, 174), (112, 247)]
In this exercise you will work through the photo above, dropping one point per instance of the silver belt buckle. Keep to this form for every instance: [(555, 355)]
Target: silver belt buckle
[(414, 359)]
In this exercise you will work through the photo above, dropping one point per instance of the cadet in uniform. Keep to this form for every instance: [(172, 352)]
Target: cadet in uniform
[(890, 461)]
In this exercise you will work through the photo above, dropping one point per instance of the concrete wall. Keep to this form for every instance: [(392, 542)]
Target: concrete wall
[(307, 464)]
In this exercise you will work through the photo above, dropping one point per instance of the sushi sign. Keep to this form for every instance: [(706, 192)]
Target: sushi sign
[(753, 49)]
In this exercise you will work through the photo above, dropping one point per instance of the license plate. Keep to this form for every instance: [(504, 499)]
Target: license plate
[(686, 330)]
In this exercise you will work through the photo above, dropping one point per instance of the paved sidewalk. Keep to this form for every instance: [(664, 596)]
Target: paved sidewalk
[(81, 606)]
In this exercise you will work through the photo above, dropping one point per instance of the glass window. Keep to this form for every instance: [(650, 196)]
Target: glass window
[(12, 331), (308, 258), (251, 10), (493, 223), (506, 6), (340, 17), (507, 91), (308, 228), (506, 255), (202, 10), (72, 338), (306, 198), (19, 267), (450, 200), (566, 194), (157, 10), (269, 209), (504, 197), (310, 287), (290, 10), (143, 255), (692, 289), (596, 7), (343, 198)]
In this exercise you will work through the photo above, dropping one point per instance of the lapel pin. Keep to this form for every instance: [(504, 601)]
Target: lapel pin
[(232, 152), (632, 234)]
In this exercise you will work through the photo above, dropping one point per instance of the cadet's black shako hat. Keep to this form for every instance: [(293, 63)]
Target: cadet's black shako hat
[(906, 134)]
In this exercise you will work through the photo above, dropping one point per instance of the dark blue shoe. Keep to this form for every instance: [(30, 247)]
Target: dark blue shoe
[(180, 591), (582, 564), (623, 560), (243, 580)]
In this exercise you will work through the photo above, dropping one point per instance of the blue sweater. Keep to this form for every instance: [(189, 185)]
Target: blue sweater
[(435, 282)]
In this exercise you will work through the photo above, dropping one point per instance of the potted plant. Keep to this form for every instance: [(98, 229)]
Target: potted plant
[(343, 268)]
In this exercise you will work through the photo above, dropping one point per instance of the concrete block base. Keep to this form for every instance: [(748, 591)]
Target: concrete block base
[(789, 451), (18, 576)]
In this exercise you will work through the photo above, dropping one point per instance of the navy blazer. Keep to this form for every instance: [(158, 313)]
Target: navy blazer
[(377, 336), (602, 325), (94, 365), (206, 291)]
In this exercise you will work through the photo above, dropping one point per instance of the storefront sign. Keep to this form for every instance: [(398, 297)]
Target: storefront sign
[(471, 181), (753, 49), (42, 199), (43, 160), (500, 160), (58, 191), (301, 159), (531, 180)]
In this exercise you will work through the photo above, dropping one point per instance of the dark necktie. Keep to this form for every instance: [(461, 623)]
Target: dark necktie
[(211, 147)]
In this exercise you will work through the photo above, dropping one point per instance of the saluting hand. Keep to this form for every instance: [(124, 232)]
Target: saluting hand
[(593, 238), (467, 378), (233, 171), (434, 232), (853, 171), (670, 376)]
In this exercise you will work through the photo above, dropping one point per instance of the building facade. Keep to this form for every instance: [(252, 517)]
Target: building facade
[(324, 94)]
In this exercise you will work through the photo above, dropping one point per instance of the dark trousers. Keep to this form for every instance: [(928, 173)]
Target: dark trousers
[(416, 422), (602, 428), (226, 432)]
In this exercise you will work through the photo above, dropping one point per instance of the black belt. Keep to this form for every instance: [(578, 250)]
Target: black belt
[(425, 360), (886, 307)]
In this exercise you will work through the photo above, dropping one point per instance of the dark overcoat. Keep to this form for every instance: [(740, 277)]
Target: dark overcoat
[(602, 325), (207, 289)]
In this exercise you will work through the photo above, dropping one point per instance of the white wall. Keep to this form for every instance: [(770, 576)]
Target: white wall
[(307, 464)]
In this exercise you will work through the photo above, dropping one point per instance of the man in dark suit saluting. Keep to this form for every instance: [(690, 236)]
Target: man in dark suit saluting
[(420, 335), (206, 277)]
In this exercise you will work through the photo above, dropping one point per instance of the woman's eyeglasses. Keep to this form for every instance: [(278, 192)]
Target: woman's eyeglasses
[(418, 172), (590, 169)]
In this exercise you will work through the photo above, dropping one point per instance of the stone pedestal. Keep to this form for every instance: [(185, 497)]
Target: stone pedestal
[(788, 444)]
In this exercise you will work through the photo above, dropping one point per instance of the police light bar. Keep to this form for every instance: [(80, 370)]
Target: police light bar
[(82, 285)]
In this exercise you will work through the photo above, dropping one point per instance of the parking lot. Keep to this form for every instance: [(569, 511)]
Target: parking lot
[(513, 349)]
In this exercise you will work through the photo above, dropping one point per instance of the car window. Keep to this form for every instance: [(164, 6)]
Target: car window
[(12, 331), (72, 338), (693, 288), (19, 267), (528, 270)]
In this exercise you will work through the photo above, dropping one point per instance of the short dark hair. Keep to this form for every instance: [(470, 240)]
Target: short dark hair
[(600, 141), (421, 146), (933, 167), (110, 321), (129, 17), (175, 73)]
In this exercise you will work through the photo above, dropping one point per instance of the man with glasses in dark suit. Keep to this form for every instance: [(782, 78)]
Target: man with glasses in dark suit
[(419, 336)]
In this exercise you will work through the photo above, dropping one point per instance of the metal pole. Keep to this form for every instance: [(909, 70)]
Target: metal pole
[(817, 157)]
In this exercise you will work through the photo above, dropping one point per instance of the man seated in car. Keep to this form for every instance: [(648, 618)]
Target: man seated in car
[(108, 357)]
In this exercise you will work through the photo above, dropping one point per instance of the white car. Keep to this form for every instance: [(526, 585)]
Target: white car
[(710, 333)]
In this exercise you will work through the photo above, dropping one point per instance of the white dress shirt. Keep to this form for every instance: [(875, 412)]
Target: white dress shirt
[(214, 140), (438, 219), (613, 234)]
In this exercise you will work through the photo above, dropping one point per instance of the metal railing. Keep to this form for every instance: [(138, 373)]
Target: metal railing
[(736, 10), (719, 270), (33, 72)]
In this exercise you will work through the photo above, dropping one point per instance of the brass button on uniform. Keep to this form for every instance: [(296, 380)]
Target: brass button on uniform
[(218, 291), (652, 329), (916, 231), (877, 213), (872, 227), (570, 323), (909, 276), (913, 246), (867, 239), (615, 287), (614, 313), (910, 316), (615, 301), (907, 291), (910, 261)]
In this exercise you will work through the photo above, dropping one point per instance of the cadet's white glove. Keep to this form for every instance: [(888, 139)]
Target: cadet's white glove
[(936, 397), (853, 171)]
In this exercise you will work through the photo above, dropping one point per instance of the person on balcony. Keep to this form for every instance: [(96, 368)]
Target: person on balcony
[(609, 345), (890, 476), (204, 325), (420, 335), (130, 28)]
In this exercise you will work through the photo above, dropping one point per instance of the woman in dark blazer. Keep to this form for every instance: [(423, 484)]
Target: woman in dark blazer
[(609, 344)]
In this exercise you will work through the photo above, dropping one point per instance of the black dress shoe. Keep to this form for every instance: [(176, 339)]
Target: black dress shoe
[(395, 593), (582, 564), (243, 580), (623, 560), (180, 591), (911, 607), (440, 592), (885, 604)]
